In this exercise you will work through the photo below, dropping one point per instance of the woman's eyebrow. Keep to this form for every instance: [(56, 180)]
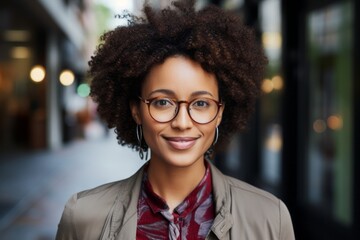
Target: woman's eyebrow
[(198, 93), (164, 91), (172, 93)]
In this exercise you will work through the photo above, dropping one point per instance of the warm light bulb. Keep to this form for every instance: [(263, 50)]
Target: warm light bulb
[(37, 73), (67, 77), (335, 122), (267, 86), (277, 82)]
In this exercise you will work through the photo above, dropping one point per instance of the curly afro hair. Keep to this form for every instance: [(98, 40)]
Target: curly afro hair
[(216, 39)]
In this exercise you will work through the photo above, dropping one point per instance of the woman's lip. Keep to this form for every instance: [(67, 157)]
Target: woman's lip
[(181, 143)]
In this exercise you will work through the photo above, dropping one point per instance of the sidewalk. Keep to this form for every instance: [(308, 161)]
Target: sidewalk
[(35, 187)]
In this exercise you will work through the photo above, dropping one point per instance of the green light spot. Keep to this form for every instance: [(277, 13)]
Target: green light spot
[(83, 90)]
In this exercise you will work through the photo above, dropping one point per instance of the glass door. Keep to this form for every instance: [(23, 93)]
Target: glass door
[(328, 174)]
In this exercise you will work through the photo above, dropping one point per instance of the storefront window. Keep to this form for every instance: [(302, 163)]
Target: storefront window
[(270, 102), (22, 102), (329, 157)]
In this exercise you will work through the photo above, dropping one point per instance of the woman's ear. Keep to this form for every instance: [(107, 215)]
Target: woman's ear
[(135, 112), (220, 114)]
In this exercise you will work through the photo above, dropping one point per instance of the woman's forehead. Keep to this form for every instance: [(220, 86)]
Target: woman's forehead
[(178, 75)]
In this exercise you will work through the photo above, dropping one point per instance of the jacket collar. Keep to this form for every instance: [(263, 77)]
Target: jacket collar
[(125, 204)]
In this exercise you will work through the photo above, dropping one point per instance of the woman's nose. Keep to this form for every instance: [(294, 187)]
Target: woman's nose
[(182, 119)]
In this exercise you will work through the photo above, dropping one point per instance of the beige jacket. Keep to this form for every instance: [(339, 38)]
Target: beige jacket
[(110, 212)]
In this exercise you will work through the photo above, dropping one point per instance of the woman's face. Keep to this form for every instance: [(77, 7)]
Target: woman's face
[(180, 142)]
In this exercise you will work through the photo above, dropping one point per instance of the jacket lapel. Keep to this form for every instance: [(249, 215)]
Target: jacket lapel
[(122, 219), (223, 221)]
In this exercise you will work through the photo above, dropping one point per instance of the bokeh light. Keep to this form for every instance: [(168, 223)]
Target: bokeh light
[(67, 77), (37, 73), (335, 122), (267, 86), (83, 90), (278, 82), (20, 52), (319, 125)]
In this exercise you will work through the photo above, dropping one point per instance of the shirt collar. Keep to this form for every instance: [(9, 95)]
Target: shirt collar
[(191, 202)]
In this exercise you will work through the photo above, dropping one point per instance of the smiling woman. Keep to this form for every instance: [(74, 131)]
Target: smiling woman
[(179, 82), (178, 139)]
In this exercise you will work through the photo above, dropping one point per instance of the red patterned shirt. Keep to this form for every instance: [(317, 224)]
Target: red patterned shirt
[(191, 219)]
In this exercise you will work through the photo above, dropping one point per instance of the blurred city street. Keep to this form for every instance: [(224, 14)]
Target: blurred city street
[(302, 143), (34, 187)]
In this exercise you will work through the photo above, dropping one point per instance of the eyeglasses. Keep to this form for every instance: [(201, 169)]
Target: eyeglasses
[(200, 110)]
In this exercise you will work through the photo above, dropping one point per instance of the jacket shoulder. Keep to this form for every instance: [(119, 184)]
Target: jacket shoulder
[(111, 188), (86, 212), (253, 193), (98, 201), (258, 208)]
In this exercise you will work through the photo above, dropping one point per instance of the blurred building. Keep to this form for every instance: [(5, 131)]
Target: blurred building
[(39, 40), (303, 143)]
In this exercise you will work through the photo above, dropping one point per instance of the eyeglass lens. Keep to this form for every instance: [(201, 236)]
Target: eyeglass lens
[(201, 110)]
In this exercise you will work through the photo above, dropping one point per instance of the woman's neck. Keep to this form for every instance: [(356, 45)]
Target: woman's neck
[(174, 184)]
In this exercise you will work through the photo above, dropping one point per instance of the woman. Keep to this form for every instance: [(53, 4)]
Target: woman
[(179, 82)]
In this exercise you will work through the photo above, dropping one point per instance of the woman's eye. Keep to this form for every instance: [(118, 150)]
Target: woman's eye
[(163, 102), (200, 104)]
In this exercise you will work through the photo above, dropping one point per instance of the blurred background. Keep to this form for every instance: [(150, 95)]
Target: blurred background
[(301, 145)]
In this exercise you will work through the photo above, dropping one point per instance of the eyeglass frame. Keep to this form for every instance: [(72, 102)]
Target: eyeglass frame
[(148, 102)]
